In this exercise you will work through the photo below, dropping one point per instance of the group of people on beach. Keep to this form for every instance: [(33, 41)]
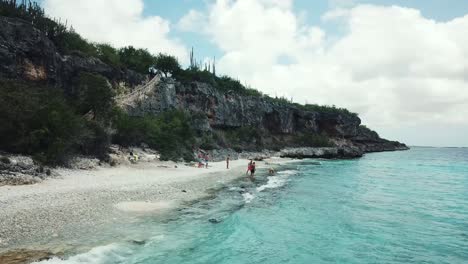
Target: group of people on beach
[(251, 168), (203, 159)]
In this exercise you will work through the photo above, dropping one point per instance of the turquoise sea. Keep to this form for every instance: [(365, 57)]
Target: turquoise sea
[(393, 207)]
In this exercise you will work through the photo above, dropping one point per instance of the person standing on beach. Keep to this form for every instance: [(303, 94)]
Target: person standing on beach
[(227, 161), (207, 157)]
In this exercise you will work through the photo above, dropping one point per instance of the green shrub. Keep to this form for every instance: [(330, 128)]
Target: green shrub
[(326, 109), (39, 121), (70, 41), (223, 84), (313, 140), (167, 64), (244, 138), (170, 133), (32, 12), (279, 100), (193, 75), (207, 142), (226, 83), (93, 93), (139, 60), (108, 54), (96, 139)]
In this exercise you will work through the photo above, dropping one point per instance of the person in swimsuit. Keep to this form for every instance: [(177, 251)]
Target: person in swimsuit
[(271, 171), (252, 169), (249, 167)]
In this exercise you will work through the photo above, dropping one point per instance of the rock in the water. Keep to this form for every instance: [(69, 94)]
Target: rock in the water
[(138, 242), (214, 221)]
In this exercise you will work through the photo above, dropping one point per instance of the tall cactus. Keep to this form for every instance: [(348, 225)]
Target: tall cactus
[(214, 66), (191, 60)]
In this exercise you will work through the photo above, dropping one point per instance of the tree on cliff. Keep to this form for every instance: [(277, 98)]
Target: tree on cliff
[(94, 94), (139, 60), (167, 64), (108, 54)]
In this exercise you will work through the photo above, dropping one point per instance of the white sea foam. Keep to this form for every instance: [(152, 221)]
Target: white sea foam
[(273, 182), (277, 181), (103, 254), (248, 197), (235, 189), (287, 172)]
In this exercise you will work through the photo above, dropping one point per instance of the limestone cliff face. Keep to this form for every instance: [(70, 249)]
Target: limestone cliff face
[(228, 110), (224, 111), (26, 53)]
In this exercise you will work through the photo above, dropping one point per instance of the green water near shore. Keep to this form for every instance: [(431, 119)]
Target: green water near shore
[(394, 207)]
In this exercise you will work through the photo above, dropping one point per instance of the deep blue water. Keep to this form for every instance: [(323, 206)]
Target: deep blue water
[(393, 207)]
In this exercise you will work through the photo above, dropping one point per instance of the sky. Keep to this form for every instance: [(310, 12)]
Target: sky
[(402, 65)]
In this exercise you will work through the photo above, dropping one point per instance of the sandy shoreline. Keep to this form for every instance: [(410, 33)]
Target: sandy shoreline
[(69, 208)]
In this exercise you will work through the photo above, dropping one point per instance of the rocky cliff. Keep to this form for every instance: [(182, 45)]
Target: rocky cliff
[(28, 54), (280, 122)]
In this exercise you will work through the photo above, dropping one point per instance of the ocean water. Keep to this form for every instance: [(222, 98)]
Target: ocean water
[(393, 207)]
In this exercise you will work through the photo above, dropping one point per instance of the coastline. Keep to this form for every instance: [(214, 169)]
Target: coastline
[(88, 205), (43, 216)]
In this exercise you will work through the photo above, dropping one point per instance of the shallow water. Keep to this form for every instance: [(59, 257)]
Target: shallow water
[(394, 207)]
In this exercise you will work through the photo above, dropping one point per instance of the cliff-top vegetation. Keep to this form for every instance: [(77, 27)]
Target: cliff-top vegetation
[(52, 126), (140, 60)]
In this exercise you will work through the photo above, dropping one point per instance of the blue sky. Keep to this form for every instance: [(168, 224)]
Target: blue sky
[(440, 10), (174, 10)]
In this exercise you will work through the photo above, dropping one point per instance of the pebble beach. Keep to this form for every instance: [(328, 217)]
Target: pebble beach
[(55, 214)]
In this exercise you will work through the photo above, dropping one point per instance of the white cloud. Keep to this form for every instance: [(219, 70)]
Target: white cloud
[(335, 14), (393, 65), (120, 23), (194, 21)]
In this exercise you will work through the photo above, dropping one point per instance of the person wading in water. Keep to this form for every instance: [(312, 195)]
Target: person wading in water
[(249, 167), (252, 170)]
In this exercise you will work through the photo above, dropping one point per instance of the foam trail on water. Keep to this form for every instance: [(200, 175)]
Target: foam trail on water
[(277, 181), (235, 189), (248, 197), (287, 172)]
